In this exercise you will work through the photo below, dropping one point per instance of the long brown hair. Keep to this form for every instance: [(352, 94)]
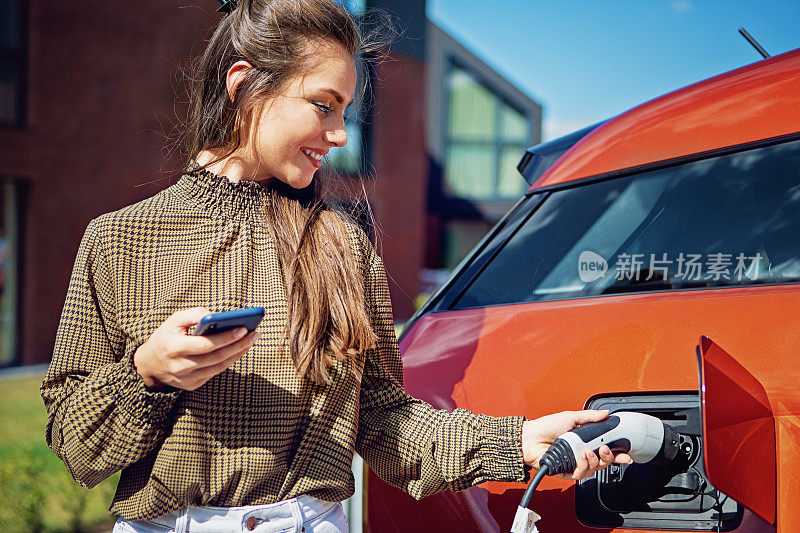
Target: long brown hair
[(328, 320)]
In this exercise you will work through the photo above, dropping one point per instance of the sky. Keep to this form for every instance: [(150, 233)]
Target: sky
[(588, 60)]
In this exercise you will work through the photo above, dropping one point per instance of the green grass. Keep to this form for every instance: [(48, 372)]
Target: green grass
[(36, 492)]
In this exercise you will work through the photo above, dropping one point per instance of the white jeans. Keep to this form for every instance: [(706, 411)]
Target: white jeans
[(298, 515)]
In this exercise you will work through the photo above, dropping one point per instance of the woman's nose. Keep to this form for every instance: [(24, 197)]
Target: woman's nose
[(337, 136)]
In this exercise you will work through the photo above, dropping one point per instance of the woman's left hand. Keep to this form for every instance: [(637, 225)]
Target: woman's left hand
[(539, 434)]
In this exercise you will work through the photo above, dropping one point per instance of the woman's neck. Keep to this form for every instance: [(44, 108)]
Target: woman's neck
[(233, 167)]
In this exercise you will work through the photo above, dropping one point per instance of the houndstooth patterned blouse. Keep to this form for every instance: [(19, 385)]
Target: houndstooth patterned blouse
[(257, 433)]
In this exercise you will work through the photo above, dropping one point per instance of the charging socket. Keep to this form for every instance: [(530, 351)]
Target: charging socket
[(675, 496)]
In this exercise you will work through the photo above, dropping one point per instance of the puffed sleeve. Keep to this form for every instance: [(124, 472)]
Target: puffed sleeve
[(407, 442), (100, 415)]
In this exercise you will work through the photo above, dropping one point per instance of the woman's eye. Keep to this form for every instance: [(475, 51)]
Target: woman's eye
[(322, 107)]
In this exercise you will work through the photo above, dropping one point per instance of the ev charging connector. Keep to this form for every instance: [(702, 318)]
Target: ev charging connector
[(645, 438)]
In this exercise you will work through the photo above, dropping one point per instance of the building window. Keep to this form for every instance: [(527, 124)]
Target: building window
[(11, 63), (9, 270), (485, 139)]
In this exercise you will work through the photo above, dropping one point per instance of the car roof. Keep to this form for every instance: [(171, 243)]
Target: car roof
[(755, 102)]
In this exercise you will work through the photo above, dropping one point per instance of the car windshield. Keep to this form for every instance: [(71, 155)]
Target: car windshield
[(727, 220)]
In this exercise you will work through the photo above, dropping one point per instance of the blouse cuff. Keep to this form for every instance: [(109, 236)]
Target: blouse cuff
[(501, 449), (136, 399)]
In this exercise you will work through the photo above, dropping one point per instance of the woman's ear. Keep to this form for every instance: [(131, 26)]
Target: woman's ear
[(236, 75)]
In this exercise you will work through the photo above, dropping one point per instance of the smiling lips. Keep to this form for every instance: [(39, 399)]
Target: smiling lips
[(314, 157)]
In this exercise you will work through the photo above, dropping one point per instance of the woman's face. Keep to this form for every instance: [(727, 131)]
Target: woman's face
[(294, 129)]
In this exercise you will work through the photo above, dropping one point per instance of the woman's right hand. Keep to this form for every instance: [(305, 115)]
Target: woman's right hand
[(173, 357)]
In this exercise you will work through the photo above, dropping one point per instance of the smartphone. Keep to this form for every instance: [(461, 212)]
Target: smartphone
[(238, 318)]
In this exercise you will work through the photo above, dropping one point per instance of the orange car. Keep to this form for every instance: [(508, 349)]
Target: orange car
[(662, 238)]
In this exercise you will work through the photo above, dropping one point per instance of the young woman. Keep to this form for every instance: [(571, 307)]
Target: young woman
[(256, 432)]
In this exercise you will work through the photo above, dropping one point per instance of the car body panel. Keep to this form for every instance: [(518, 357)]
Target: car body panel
[(518, 359), (756, 102)]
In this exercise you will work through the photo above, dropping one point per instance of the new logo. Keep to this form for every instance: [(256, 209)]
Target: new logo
[(591, 266)]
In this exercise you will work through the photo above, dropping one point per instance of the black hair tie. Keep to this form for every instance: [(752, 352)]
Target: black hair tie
[(227, 5)]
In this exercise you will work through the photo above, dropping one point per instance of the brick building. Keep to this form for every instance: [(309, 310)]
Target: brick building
[(89, 95)]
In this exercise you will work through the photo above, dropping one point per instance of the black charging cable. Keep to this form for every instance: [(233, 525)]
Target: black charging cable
[(526, 498), (558, 459)]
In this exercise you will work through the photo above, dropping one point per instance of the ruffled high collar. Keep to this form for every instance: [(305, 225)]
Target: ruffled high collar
[(244, 200)]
